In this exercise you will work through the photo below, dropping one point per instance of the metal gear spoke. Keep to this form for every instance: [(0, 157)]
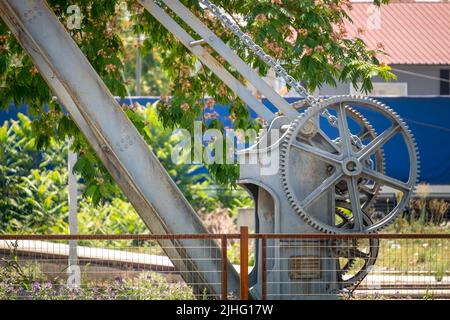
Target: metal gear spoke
[(377, 143), (329, 142), (344, 131), (355, 201), (370, 193), (318, 153), (356, 253), (364, 134), (386, 180), (345, 220), (326, 184)]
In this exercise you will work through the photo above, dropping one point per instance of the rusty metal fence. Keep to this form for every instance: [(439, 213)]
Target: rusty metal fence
[(108, 267), (358, 266)]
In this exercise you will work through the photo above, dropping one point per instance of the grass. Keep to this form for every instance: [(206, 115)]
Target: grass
[(409, 256), (26, 281), (425, 257)]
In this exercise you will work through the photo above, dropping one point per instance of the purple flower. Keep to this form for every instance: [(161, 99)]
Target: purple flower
[(8, 287), (74, 293), (21, 292), (112, 293), (119, 280), (36, 286)]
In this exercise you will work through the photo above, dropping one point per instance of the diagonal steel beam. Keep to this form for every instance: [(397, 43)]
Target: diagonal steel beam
[(226, 52), (205, 57), (117, 142)]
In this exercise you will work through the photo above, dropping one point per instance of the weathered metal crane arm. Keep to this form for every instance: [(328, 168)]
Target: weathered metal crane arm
[(220, 47), (205, 57), (118, 144)]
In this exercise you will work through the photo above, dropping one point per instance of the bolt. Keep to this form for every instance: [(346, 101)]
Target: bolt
[(309, 128), (351, 166)]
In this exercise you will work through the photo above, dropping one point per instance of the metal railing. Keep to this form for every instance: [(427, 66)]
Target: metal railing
[(358, 266), (112, 266), (290, 266)]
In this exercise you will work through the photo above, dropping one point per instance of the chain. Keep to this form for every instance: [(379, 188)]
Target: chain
[(271, 62), (256, 49)]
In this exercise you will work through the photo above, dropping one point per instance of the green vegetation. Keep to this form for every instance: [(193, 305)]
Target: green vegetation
[(419, 256), (306, 36), (153, 79), (25, 280), (416, 255), (33, 185)]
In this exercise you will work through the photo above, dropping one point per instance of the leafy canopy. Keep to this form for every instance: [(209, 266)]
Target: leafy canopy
[(307, 36), (33, 185)]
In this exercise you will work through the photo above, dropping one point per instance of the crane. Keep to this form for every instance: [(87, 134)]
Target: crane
[(326, 162)]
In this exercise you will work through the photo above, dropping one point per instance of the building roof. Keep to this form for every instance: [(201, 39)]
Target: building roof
[(410, 33)]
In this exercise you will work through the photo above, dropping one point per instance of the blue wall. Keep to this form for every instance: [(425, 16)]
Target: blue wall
[(429, 121), (428, 118)]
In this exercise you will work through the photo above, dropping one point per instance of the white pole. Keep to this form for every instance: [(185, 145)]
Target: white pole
[(73, 270), (138, 67)]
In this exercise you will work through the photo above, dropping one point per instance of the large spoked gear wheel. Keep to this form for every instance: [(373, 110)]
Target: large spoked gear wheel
[(348, 166)]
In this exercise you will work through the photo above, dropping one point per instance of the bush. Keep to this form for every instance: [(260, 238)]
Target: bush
[(16, 283), (421, 211), (33, 184)]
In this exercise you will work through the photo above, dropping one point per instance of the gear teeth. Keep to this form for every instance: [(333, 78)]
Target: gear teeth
[(312, 111), (418, 173)]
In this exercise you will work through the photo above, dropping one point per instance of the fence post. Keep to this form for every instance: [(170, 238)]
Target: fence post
[(224, 268), (244, 262), (263, 267), (73, 270)]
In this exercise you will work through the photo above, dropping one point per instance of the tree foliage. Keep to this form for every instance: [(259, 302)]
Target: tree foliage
[(306, 36), (33, 184), (153, 78)]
